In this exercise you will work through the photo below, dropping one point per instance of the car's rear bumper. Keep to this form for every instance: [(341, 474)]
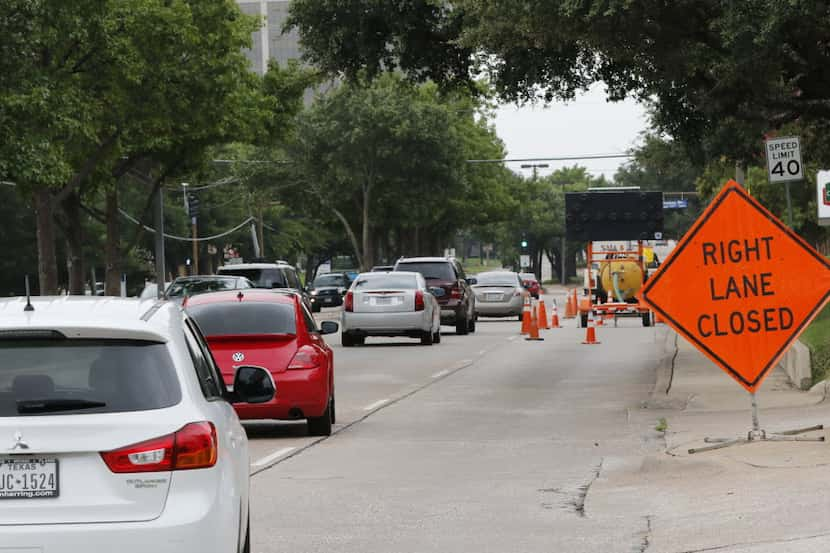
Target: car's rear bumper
[(327, 301), (300, 394), (386, 324), (195, 518), (499, 309)]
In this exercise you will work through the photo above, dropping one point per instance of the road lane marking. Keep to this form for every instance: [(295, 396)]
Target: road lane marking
[(376, 404), (439, 374), (273, 457)]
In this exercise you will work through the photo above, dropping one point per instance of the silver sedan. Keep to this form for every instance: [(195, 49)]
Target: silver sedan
[(499, 294), (390, 304)]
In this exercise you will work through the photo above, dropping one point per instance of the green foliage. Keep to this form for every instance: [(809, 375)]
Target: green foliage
[(662, 425), (817, 338)]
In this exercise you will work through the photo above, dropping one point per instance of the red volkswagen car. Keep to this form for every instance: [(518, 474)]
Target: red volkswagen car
[(274, 330)]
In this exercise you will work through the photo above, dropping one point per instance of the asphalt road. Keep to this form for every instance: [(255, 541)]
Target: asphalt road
[(484, 442)]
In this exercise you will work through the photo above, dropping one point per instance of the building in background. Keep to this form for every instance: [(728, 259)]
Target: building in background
[(269, 42)]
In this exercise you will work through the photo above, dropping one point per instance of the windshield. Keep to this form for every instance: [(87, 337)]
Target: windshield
[(438, 270), (528, 276), (60, 376), (193, 287), (497, 279), (385, 281), (262, 278), (236, 319), (330, 280)]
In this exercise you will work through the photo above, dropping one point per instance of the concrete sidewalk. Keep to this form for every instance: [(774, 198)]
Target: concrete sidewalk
[(766, 497)]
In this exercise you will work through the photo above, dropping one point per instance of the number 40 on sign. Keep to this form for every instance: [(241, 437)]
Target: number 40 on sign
[(784, 159)]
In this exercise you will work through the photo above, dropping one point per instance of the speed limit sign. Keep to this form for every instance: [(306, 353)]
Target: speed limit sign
[(784, 159)]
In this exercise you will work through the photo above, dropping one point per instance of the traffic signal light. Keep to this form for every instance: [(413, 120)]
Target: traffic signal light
[(192, 205), (524, 243)]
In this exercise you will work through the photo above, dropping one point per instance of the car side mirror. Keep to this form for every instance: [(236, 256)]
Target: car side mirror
[(472, 281), (329, 327), (252, 384), (437, 291)]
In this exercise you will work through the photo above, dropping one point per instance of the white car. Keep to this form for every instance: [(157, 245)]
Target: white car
[(117, 432), (390, 304)]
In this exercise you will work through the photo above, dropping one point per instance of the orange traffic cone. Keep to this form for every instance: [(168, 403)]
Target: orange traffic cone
[(554, 320), (590, 333), (534, 328), (570, 306), (542, 317), (526, 316)]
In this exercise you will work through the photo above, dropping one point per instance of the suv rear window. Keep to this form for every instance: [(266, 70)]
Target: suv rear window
[(79, 376), (437, 270), (236, 319), (262, 278)]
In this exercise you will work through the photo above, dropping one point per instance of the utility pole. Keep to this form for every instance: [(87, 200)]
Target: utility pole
[(192, 205), (536, 167), (158, 213)]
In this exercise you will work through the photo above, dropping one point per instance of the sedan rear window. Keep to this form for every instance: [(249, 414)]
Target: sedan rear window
[(75, 376), (386, 281), (497, 279), (436, 271), (241, 318)]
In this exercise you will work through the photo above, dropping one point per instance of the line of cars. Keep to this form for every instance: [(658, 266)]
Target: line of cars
[(119, 418)]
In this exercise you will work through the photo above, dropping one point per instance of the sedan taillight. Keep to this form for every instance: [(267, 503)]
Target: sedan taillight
[(455, 292), (194, 446), (419, 300), (348, 301)]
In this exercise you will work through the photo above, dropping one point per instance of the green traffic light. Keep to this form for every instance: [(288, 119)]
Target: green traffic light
[(524, 243)]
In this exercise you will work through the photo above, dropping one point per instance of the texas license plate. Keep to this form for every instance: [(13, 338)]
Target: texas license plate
[(28, 477)]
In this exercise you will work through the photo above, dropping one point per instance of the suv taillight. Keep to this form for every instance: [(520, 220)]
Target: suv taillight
[(194, 446), (306, 358), (419, 300), (348, 301), (456, 292)]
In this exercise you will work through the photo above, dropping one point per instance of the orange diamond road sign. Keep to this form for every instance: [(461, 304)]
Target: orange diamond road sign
[(740, 285)]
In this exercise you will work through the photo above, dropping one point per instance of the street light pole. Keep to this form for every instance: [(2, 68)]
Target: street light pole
[(535, 167)]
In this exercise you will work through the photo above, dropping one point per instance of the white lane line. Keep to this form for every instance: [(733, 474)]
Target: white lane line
[(439, 374), (375, 405), (273, 457)]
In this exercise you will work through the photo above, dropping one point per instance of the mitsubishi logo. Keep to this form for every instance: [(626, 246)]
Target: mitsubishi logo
[(18, 442)]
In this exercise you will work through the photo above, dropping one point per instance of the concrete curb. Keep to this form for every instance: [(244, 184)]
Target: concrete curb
[(796, 363), (659, 398)]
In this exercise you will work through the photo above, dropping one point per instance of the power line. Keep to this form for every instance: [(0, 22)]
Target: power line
[(562, 158), (185, 238)]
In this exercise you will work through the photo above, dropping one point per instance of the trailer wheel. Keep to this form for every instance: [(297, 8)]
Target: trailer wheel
[(647, 318)]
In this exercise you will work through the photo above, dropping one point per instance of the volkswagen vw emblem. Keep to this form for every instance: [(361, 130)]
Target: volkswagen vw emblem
[(18, 442), (238, 356)]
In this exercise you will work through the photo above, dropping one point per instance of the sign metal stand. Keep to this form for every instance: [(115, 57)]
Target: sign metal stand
[(759, 435)]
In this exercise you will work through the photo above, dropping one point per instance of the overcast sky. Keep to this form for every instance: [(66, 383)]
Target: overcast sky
[(588, 125)]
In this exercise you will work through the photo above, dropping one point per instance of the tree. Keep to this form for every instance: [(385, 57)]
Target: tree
[(385, 156), (719, 75), (103, 88)]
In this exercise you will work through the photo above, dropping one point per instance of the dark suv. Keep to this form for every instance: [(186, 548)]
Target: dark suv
[(457, 301)]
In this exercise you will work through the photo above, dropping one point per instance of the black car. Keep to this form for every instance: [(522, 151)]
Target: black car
[(457, 301), (327, 290)]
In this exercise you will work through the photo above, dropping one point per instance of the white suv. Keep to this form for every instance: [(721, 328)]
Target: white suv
[(117, 432)]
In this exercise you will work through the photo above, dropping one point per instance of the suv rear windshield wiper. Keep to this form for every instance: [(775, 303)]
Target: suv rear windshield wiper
[(54, 405)]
